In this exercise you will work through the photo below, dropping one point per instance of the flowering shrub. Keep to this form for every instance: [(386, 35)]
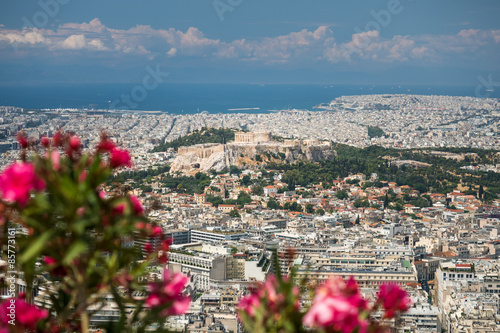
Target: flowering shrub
[(77, 253), (27, 315), (337, 306), (272, 307)]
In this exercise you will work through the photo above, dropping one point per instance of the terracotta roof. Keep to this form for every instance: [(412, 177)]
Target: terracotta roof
[(447, 254)]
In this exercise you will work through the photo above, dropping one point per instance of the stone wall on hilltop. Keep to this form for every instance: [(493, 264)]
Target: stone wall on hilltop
[(203, 158)]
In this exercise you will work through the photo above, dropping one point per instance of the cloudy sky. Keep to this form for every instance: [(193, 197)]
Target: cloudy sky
[(250, 41)]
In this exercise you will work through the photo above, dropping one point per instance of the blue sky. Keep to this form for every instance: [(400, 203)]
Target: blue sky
[(250, 41)]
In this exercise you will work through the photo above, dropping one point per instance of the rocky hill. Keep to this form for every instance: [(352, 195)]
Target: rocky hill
[(205, 157)]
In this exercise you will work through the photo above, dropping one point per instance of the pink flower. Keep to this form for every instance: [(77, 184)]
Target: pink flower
[(45, 141), (23, 142), (249, 304), (55, 159), (80, 211), (57, 139), (268, 291), (26, 315), (55, 268), (136, 205), (264, 294), (338, 305), (119, 209), (168, 294), (119, 158), (163, 251), (393, 299), (157, 231), (106, 146), (49, 260), (83, 176), (74, 143), (16, 182)]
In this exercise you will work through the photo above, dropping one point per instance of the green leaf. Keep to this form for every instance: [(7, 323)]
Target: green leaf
[(34, 250), (75, 249)]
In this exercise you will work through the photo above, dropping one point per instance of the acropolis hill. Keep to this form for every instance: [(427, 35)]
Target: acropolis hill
[(243, 152)]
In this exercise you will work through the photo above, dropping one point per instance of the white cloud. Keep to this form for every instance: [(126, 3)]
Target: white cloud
[(93, 26), (24, 37), (468, 33), (496, 35), (74, 42), (98, 45), (304, 46), (172, 52)]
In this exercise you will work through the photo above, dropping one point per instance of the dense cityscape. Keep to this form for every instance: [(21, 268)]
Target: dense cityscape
[(438, 240)]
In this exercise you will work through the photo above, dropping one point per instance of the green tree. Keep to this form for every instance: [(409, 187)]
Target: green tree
[(234, 213), (243, 198), (320, 211), (234, 170), (375, 131), (386, 201), (310, 208), (246, 180), (216, 201), (272, 204), (361, 203), (258, 190), (342, 194), (295, 207), (291, 177)]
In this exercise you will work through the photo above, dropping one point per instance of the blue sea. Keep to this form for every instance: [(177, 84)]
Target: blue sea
[(214, 98)]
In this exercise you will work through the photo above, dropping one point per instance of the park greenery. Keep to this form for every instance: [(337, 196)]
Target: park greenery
[(375, 132), (442, 176), (205, 135)]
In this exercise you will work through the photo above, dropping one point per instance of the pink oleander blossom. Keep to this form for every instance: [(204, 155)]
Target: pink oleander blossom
[(338, 305), (74, 143), (250, 304), (23, 141), (136, 205), (266, 295), (83, 176), (106, 146), (157, 231), (119, 209), (55, 268), (26, 315), (57, 139), (45, 141), (55, 159), (393, 299), (120, 158), (163, 251), (17, 181), (168, 294)]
